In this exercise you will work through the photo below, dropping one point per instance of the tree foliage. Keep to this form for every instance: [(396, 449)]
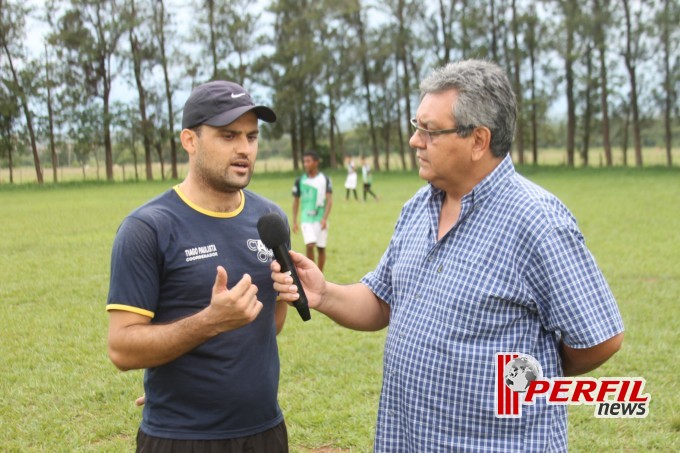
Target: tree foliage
[(342, 75)]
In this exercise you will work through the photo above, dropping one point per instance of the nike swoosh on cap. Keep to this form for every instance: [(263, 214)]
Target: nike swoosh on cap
[(233, 95)]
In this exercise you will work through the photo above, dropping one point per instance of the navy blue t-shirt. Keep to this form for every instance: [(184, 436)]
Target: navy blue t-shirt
[(163, 265)]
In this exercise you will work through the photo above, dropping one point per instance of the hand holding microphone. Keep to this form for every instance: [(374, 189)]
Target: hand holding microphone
[(274, 234)]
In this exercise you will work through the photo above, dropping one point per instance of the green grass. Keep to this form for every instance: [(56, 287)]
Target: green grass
[(59, 392)]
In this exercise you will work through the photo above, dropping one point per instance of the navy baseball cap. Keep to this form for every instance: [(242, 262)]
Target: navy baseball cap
[(219, 103)]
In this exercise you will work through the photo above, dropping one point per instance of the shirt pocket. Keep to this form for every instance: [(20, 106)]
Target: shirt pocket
[(478, 299)]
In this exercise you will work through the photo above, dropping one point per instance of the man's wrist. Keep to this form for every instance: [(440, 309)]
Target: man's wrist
[(204, 322)]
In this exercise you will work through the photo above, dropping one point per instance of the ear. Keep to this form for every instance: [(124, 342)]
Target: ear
[(188, 139), (481, 142)]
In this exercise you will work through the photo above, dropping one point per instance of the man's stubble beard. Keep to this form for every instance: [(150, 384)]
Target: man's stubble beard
[(220, 182)]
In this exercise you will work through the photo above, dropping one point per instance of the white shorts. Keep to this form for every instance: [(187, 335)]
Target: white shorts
[(351, 181), (313, 234)]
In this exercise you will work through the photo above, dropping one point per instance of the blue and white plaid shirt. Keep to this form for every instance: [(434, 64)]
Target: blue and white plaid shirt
[(513, 275)]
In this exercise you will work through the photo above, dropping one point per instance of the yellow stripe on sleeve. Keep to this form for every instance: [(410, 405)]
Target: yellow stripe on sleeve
[(139, 311)]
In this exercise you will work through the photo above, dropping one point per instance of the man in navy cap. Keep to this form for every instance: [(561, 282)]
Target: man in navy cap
[(191, 298)]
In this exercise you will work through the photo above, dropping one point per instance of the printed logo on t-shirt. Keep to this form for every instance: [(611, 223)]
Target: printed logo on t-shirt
[(263, 253), (201, 253)]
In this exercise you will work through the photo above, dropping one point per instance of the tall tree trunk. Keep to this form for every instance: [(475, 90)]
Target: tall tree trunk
[(213, 42), (406, 82), (400, 134), (569, 75), (7, 130), (10, 164), (494, 31), (632, 76), (312, 124), (446, 31), (387, 136), (134, 155), (668, 83), (519, 141), (27, 115), (366, 80), (534, 110), (626, 127), (588, 113), (108, 148), (340, 146), (331, 121), (302, 126), (96, 164), (168, 91), (159, 151), (50, 118), (604, 90), (146, 127), (402, 51), (107, 35), (295, 140), (106, 77), (464, 40)]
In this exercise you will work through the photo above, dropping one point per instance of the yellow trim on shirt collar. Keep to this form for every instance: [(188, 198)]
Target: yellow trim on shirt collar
[(221, 215)]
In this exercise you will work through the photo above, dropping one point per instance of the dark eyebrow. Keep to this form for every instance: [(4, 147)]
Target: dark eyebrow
[(227, 128)]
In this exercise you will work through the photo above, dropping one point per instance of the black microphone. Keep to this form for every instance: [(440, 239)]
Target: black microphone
[(274, 234)]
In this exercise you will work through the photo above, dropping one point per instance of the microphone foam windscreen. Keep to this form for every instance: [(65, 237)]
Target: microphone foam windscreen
[(273, 230)]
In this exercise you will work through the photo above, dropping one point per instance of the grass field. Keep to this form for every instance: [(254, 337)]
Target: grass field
[(59, 392)]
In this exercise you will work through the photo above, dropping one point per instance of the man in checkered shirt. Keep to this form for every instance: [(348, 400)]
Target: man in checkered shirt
[(482, 261)]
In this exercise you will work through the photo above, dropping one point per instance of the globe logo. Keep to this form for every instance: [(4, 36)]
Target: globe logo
[(520, 372)]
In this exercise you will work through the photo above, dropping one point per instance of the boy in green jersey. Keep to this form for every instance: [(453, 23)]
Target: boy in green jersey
[(314, 193)]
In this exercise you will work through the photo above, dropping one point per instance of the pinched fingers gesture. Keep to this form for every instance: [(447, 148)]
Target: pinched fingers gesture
[(235, 307)]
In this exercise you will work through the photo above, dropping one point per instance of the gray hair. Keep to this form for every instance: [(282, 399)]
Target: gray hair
[(485, 98)]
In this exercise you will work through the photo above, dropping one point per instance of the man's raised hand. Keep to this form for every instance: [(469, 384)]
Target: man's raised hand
[(232, 308)]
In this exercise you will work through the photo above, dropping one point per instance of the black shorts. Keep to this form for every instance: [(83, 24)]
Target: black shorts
[(274, 440)]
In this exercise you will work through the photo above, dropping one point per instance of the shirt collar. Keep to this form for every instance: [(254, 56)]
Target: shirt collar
[(486, 187), (492, 182)]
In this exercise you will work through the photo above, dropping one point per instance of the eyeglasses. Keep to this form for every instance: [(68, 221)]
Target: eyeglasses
[(429, 135)]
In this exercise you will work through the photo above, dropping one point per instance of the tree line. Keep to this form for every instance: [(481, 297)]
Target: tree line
[(110, 73)]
